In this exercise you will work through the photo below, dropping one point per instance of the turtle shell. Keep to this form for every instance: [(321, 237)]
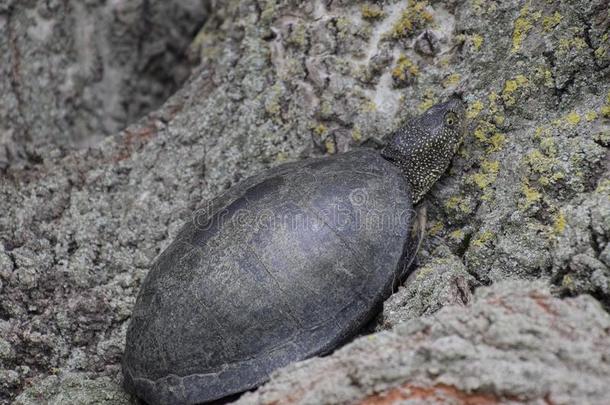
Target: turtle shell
[(284, 266)]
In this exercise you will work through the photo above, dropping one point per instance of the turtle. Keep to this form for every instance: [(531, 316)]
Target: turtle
[(286, 265)]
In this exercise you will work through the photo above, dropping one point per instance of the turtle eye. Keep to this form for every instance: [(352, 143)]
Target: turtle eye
[(450, 119)]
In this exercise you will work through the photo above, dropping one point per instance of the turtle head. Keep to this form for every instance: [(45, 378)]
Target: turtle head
[(425, 145)]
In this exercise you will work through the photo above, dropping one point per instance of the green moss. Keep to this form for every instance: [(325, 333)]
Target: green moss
[(372, 12), (412, 19)]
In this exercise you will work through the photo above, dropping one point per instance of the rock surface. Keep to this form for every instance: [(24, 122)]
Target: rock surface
[(527, 197), (515, 344), (72, 72)]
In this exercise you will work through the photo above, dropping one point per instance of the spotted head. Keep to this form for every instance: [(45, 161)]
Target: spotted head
[(425, 145)]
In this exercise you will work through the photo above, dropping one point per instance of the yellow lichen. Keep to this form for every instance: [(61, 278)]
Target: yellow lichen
[(573, 118), (540, 131), (372, 12), (600, 52), (605, 110), (510, 87), (591, 116), (567, 281), (548, 146), (404, 67), (477, 41), (603, 186), (319, 129), (487, 134), (544, 166), (531, 195), (567, 44), (495, 142), (299, 35), (482, 239), (457, 235), (523, 24), (458, 203), (551, 21), (435, 228), (331, 148), (356, 134), (477, 6), (487, 175), (326, 108), (544, 75), (452, 80), (559, 224), (423, 272), (429, 101), (499, 119), (474, 109), (413, 18)]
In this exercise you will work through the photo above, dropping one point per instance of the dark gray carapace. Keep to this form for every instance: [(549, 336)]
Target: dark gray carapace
[(284, 266)]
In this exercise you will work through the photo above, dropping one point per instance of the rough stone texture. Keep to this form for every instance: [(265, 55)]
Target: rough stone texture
[(527, 197), (74, 71), (515, 344), (74, 388)]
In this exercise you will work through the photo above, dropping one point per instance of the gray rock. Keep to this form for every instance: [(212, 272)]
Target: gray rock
[(73, 72), (515, 344), (73, 389), (526, 198)]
